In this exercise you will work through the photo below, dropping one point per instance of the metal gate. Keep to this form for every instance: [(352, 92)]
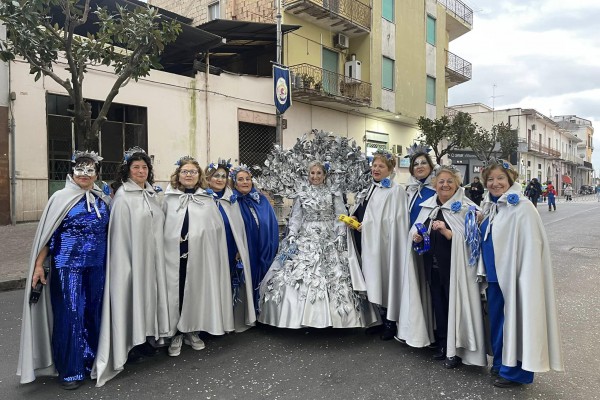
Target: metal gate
[(255, 142)]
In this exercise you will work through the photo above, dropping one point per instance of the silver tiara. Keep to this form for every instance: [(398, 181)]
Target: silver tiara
[(417, 148), (184, 160), (89, 154), (221, 163), (132, 151), (239, 168)]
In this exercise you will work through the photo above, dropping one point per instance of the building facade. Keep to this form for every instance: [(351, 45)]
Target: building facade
[(547, 150), (364, 70)]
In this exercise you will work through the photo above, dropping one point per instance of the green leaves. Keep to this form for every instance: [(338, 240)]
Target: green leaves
[(444, 134), (129, 40)]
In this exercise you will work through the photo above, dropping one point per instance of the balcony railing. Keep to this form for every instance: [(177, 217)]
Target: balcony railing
[(544, 150), (459, 9), (348, 16), (458, 70), (311, 83)]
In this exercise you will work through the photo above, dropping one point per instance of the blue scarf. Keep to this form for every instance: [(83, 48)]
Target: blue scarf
[(263, 238)]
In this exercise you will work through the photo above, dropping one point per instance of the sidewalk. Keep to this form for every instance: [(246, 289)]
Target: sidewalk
[(15, 249)]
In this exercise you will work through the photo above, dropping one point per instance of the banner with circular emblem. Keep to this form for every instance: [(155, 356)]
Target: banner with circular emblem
[(281, 83)]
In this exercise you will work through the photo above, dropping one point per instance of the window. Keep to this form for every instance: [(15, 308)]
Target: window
[(125, 127), (214, 11), (430, 30), (387, 9), (255, 143), (430, 90), (387, 73)]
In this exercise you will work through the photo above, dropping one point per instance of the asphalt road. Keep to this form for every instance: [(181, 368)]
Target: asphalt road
[(269, 363)]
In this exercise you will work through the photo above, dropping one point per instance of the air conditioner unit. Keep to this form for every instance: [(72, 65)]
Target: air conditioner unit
[(352, 70), (341, 41)]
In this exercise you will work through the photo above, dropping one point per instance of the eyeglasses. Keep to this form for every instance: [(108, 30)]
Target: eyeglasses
[(81, 171), (422, 162), (188, 172), (248, 179), (220, 176)]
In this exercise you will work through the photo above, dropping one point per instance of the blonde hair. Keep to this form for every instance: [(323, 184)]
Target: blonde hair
[(389, 162), (511, 174), (201, 179), (449, 169)]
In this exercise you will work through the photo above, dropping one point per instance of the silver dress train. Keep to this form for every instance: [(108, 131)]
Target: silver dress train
[(308, 284)]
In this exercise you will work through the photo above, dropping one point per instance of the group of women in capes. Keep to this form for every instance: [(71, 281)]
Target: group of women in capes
[(208, 260)]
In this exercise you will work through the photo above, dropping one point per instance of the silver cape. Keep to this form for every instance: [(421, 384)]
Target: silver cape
[(135, 295)]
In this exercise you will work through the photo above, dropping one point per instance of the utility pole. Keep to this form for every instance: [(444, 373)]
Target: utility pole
[(278, 116)]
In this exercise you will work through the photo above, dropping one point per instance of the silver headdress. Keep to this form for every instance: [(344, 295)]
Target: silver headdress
[(221, 163), (417, 148), (239, 168), (132, 151), (492, 160), (89, 154), (386, 153), (184, 160), (286, 170)]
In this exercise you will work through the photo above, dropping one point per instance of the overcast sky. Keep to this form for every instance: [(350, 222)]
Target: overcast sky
[(541, 54)]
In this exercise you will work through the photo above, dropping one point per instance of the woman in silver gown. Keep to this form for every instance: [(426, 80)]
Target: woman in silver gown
[(309, 283)]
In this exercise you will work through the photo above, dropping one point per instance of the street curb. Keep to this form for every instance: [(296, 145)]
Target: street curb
[(14, 284)]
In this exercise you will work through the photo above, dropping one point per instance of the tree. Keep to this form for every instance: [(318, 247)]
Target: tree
[(48, 32), (484, 143), (444, 134), (509, 140)]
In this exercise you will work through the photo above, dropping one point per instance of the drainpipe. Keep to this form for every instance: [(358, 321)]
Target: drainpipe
[(13, 163), (206, 108)]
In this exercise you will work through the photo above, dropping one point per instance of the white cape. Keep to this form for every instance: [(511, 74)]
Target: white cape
[(466, 335), (524, 271), (244, 310), (35, 355), (382, 272), (135, 294)]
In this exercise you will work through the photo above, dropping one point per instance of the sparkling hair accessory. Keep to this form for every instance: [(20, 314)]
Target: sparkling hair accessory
[(417, 148), (221, 163), (89, 154), (239, 168), (387, 154), (505, 164), (132, 151), (184, 160)]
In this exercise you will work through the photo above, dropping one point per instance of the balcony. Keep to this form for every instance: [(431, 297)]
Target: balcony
[(350, 17), (460, 19), (544, 151), (310, 84), (458, 70)]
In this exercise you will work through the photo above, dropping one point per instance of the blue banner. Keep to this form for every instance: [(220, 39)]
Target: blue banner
[(281, 83)]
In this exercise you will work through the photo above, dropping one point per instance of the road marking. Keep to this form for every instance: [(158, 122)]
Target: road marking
[(571, 216)]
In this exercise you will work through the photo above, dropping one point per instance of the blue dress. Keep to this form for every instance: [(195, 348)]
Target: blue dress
[(262, 233), (78, 253), (496, 310)]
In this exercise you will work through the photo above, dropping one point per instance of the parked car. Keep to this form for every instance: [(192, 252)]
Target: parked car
[(587, 189)]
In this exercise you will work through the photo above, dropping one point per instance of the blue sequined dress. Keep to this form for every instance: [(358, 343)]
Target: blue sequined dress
[(78, 253)]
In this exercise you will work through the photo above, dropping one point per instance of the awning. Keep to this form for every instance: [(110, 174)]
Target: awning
[(567, 179)]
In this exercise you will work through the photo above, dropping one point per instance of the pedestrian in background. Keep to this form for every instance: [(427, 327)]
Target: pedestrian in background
[(551, 193), (476, 190), (60, 328), (533, 191), (516, 263), (568, 192)]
